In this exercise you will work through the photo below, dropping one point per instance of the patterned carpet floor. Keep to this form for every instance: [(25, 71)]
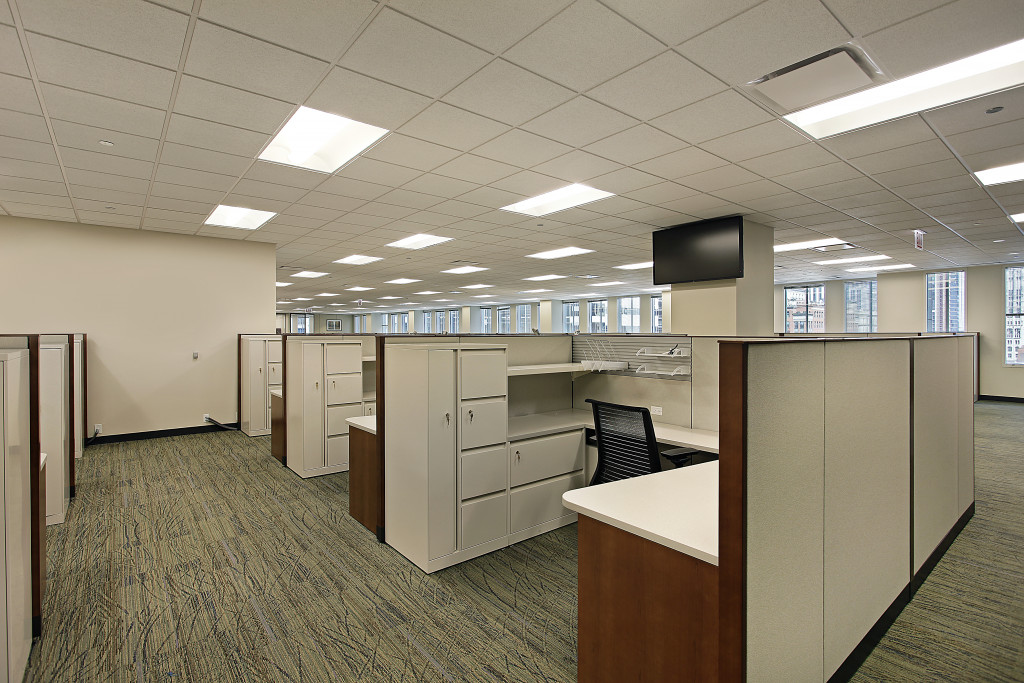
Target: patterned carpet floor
[(199, 558)]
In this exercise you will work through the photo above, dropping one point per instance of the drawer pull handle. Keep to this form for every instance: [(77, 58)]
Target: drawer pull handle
[(448, 418)]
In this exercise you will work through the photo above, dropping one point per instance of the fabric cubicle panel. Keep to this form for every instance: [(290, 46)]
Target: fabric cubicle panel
[(967, 384)]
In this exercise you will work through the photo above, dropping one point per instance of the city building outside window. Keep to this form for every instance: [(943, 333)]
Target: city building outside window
[(1014, 315), (453, 321), (598, 315), (862, 306), (571, 316), (629, 314), (428, 317), (485, 320), (945, 298), (504, 320), (385, 321), (523, 318), (805, 308), (439, 322), (656, 314)]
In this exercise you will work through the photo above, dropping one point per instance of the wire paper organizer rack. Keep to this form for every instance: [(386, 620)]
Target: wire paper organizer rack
[(596, 353)]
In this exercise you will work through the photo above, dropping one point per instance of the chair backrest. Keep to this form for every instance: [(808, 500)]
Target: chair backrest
[(626, 446)]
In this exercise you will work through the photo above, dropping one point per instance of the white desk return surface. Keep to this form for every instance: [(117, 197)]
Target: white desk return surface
[(676, 508), (368, 423), (542, 424)]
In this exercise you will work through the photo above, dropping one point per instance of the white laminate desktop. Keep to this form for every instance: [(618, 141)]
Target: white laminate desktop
[(368, 423), (541, 424), (677, 508), (277, 392)]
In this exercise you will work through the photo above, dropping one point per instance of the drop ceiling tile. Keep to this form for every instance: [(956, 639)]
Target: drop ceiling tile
[(411, 152), (615, 206), (239, 61), (1009, 154), (461, 209), (577, 166), (79, 136), (203, 159), (579, 122), (684, 162), (719, 178), (280, 174), (380, 172), (718, 115), (989, 138), (116, 197), (136, 30), (759, 140), (350, 187), (260, 202), (865, 199), (5, 15), (392, 49), (495, 199), (102, 112), (661, 192), (165, 173), (82, 68), (25, 126), (757, 189), (774, 34), (230, 106), (954, 31), (28, 150), (845, 188), (195, 194), (385, 210), (867, 16), (19, 94), (108, 218), (256, 188), (508, 93), (331, 201), (917, 174), (624, 180), (12, 58), (520, 148), (658, 86), (972, 114), (821, 175), (636, 144), (36, 199), (180, 216), (778, 201), (493, 25), (183, 205), (37, 211), (107, 181), (430, 218), (419, 191), (30, 169), (790, 160), (315, 28), (446, 125), (880, 138), (528, 183), (902, 157)]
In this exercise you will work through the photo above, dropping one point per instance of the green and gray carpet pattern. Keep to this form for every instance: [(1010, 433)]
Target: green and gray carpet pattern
[(199, 558)]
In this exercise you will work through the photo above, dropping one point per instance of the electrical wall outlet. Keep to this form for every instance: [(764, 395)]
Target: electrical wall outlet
[(99, 429), (655, 410)]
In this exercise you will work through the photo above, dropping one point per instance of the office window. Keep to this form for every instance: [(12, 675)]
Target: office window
[(656, 316), (571, 316), (357, 324), (427, 317), (1014, 315), (805, 308), (399, 323), (504, 320), (485, 320), (334, 326), (302, 323), (945, 301), (598, 315), (453, 321), (385, 320), (523, 318), (439, 322), (862, 306), (629, 314)]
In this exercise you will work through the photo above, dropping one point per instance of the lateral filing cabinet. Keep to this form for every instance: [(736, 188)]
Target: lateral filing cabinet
[(261, 373), (324, 388), (15, 551)]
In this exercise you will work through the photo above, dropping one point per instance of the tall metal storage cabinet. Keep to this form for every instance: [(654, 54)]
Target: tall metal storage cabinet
[(446, 468), (323, 389), (54, 427), (260, 373), (16, 550)]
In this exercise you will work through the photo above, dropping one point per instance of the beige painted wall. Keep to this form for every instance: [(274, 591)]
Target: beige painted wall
[(901, 301), (147, 300), (987, 316)]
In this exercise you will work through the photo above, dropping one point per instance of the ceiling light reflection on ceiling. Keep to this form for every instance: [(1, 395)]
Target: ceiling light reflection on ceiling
[(557, 200), (866, 269), (854, 259), (302, 298), (1017, 218), (320, 141), (560, 253), (636, 266), (1001, 174), (238, 217), (985, 72), (358, 260), (402, 281), (327, 294), (606, 284), (810, 244), (390, 297), (535, 291), (308, 273), (463, 270), (427, 292), (539, 278), (476, 286), (284, 284), (358, 289), (419, 241)]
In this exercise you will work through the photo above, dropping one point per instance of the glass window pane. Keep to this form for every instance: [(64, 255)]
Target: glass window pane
[(656, 319), (571, 316), (862, 306), (439, 322), (485, 320), (453, 321), (1014, 315), (523, 318), (504, 320), (945, 301), (599, 316), (629, 314), (805, 308)]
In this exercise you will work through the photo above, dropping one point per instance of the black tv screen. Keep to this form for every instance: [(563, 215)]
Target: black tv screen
[(702, 250)]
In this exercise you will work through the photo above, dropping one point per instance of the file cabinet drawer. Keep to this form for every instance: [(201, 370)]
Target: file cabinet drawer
[(544, 457), (344, 389), (344, 358), (274, 373), (484, 423), (336, 416), (538, 503), (483, 471), (484, 520), (337, 450), (484, 373)]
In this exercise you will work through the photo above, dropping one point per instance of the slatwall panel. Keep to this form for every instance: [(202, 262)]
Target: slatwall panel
[(623, 349)]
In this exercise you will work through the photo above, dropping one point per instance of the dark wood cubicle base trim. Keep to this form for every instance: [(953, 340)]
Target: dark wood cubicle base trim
[(868, 642), (732, 511), (278, 420), (647, 613), (381, 405), (940, 550), (1011, 399), (160, 433), (364, 503)]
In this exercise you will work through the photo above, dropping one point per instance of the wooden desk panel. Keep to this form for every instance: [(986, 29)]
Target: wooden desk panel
[(278, 425), (365, 481), (646, 612)]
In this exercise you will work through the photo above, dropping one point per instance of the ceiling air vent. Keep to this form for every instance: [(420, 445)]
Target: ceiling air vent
[(816, 79)]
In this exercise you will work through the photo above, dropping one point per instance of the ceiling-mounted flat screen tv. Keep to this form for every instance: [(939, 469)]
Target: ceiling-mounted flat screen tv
[(698, 251)]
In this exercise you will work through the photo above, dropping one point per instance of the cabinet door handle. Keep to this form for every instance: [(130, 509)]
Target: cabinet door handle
[(517, 456), (260, 369), (334, 384), (471, 416), (448, 418), (318, 385)]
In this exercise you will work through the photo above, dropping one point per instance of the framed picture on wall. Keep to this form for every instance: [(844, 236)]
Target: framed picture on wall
[(334, 326)]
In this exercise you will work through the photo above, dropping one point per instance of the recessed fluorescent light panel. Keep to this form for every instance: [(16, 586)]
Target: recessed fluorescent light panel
[(358, 260), (865, 269), (284, 284), (390, 297), (238, 217), (476, 286), (540, 278), (606, 284), (402, 281), (308, 273), (999, 174), (560, 253), (320, 141), (636, 266), (358, 289), (1017, 218), (794, 246), (557, 200), (302, 298), (481, 296), (535, 291), (327, 294), (997, 69), (419, 241), (463, 270), (855, 259), (427, 293)]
